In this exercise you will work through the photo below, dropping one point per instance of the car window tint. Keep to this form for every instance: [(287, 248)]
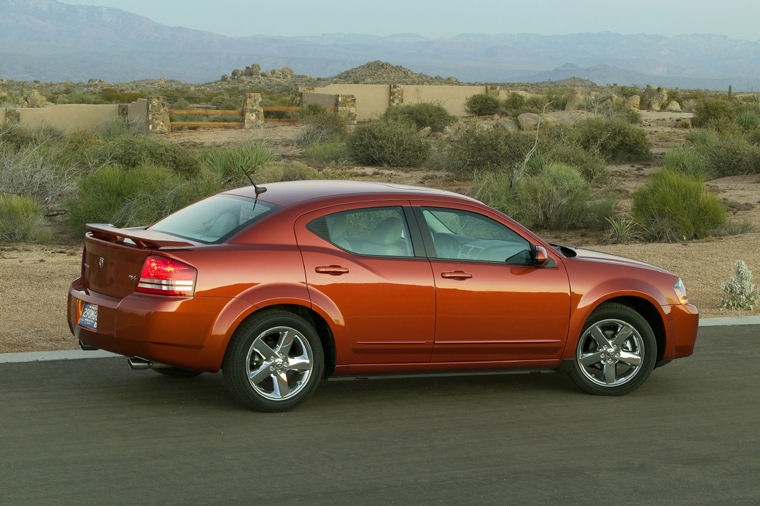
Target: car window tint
[(213, 219), (464, 235), (375, 231)]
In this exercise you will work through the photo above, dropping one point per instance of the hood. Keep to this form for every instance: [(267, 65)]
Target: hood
[(596, 256)]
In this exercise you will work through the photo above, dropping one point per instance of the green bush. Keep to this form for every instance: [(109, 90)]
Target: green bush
[(320, 125), (231, 164), (130, 151), (127, 197), (730, 155), (674, 206), (713, 111), (748, 120), (273, 172), (473, 148), (482, 104), (422, 115), (20, 220), (557, 97), (616, 140), (688, 161), (589, 162), (514, 104), (333, 150), (388, 143), (558, 197)]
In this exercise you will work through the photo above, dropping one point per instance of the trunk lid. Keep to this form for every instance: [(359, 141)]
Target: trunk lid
[(114, 257)]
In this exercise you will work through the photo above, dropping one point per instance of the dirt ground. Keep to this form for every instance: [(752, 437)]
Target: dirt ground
[(35, 278)]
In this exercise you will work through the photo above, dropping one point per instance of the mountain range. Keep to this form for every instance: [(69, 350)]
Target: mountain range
[(48, 40)]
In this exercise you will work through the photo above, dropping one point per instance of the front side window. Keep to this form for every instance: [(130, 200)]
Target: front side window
[(213, 219), (374, 231), (464, 235)]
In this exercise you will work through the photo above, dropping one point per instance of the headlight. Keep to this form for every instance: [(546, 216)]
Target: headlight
[(680, 291)]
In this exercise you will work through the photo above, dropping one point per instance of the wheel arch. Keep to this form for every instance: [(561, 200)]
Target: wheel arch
[(649, 312), (320, 325)]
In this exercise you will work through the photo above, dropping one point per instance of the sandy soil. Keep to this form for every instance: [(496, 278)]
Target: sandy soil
[(35, 278)]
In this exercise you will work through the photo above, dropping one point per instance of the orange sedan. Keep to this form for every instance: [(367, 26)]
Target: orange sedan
[(282, 286)]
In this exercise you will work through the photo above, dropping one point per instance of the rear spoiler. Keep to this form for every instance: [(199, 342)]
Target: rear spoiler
[(141, 237)]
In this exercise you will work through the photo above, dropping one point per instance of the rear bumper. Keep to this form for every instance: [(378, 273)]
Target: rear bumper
[(177, 330)]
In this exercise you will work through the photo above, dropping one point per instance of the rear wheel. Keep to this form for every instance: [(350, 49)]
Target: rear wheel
[(274, 361), (616, 351)]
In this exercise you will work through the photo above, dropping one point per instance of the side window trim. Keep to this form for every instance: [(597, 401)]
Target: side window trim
[(411, 228), (427, 232)]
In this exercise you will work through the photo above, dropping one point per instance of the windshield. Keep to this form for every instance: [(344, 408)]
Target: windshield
[(213, 219)]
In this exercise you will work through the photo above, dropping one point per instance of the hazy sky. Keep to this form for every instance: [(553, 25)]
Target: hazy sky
[(734, 18)]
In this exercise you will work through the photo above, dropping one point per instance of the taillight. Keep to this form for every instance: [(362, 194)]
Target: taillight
[(166, 276)]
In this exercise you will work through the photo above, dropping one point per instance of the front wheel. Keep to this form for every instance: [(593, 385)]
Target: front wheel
[(274, 361), (616, 351)]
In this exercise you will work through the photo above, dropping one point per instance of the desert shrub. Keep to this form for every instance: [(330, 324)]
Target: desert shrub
[(739, 293), (753, 137), (230, 164), (616, 140), (18, 138), (701, 138), (558, 197), (20, 220), (422, 115), (514, 104), (748, 120), (130, 151), (687, 161), (333, 150), (482, 104), (620, 110), (36, 172), (273, 172), (712, 111), (673, 206), (128, 197), (473, 148), (557, 97), (388, 143), (589, 162), (622, 229), (730, 155), (320, 125)]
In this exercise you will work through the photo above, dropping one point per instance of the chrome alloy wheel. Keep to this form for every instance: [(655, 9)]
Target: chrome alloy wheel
[(610, 352), (279, 363)]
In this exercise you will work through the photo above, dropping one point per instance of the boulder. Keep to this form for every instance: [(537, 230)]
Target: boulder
[(507, 124), (425, 132), (576, 100), (673, 106), (236, 74), (634, 102), (225, 77), (287, 71), (658, 97), (35, 99), (528, 121)]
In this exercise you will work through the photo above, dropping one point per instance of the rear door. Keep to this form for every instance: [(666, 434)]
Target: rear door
[(369, 276)]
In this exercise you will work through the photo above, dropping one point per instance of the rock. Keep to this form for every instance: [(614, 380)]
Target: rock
[(528, 121), (287, 72), (255, 69), (3, 80), (225, 77), (658, 97), (507, 124), (495, 116), (634, 101), (35, 99), (425, 132), (236, 74), (673, 106)]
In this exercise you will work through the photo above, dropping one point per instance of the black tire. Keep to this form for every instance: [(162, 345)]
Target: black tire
[(615, 353), (177, 372), (285, 351)]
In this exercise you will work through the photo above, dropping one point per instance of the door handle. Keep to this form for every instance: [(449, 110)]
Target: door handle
[(333, 270), (460, 275)]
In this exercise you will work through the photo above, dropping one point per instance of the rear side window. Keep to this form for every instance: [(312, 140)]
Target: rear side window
[(213, 219), (375, 231)]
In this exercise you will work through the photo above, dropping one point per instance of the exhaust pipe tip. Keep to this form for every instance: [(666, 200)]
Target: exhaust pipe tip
[(136, 363)]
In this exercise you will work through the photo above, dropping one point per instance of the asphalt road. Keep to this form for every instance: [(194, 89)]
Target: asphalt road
[(94, 432)]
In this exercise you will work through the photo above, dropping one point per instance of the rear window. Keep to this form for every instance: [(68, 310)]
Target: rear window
[(213, 219)]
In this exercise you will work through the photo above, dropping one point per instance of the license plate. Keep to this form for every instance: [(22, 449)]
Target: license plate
[(89, 316)]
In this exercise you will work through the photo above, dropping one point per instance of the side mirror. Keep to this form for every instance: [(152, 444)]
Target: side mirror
[(540, 256)]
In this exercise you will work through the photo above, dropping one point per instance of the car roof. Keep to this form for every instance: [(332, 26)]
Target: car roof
[(292, 193)]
